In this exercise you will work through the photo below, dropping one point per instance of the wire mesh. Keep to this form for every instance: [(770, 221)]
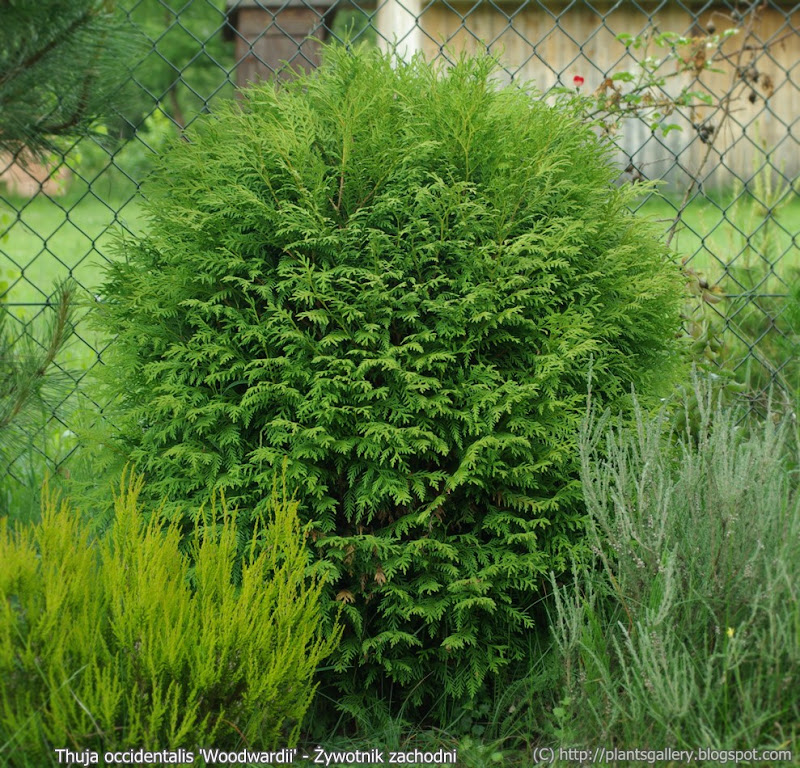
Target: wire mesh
[(729, 163)]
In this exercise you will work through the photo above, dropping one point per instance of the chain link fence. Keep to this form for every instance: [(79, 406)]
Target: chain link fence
[(713, 114)]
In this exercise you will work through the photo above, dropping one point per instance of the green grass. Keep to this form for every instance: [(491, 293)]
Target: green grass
[(743, 247), (42, 241), (736, 231), (46, 239)]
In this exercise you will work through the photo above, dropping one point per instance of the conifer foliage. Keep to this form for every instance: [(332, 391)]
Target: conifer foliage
[(395, 278), (62, 63), (30, 382), (124, 642)]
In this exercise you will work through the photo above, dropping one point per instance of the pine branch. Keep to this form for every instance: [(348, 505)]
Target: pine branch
[(38, 55), (58, 85), (25, 373)]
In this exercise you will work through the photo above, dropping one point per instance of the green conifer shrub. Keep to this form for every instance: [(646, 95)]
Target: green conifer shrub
[(396, 279), (125, 642)]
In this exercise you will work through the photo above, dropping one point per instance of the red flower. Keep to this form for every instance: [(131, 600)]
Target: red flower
[(578, 80)]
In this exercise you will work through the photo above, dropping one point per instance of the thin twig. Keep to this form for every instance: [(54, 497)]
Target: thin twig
[(725, 108)]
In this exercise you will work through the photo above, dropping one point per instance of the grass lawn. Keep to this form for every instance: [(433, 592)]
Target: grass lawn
[(723, 235), (43, 239), (47, 239)]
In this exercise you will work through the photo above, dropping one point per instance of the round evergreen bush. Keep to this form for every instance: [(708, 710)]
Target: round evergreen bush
[(394, 279)]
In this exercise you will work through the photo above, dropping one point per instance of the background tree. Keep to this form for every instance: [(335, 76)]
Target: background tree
[(170, 73)]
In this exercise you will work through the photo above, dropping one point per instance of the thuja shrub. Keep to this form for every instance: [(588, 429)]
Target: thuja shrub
[(396, 279), (125, 641)]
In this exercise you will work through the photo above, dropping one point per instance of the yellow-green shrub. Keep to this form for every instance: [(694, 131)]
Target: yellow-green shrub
[(127, 642)]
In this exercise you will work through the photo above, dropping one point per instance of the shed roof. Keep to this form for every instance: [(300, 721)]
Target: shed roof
[(236, 5)]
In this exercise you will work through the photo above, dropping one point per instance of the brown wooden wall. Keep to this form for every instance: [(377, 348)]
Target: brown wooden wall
[(266, 38)]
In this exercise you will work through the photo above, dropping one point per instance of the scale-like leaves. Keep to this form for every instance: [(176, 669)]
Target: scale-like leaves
[(395, 280)]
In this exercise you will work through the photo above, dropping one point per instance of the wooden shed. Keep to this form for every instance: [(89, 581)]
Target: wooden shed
[(268, 33), (550, 42)]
